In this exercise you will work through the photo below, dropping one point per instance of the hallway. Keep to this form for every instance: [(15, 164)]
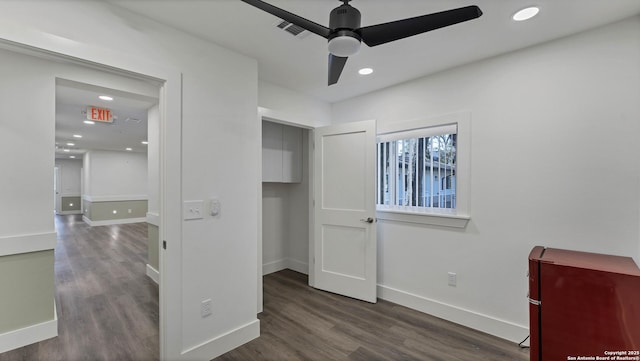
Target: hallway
[(107, 307)]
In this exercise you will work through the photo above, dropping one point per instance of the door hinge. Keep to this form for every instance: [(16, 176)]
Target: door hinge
[(164, 244)]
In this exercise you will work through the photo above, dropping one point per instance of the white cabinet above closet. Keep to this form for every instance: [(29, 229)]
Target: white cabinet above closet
[(281, 153)]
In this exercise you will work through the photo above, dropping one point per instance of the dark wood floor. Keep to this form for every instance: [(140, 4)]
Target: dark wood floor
[(107, 306), (108, 310), (301, 323)]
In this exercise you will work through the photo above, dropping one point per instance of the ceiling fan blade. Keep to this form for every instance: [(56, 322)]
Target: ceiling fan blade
[(395, 30), (336, 64), (290, 17)]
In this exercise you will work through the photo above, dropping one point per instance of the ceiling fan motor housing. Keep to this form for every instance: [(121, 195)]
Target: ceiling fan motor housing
[(344, 17), (343, 40)]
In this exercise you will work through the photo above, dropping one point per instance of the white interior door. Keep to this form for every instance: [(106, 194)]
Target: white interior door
[(344, 232)]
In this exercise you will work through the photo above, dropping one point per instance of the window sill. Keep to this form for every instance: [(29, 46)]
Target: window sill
[(428, 218)]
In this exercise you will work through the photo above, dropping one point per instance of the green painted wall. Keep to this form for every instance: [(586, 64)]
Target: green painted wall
[(27, 283), (103, 211), (154, 246), (70, 204)]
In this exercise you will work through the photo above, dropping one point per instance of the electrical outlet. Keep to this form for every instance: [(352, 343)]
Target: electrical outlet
[(205, 308), (452, 279), (129, 210)]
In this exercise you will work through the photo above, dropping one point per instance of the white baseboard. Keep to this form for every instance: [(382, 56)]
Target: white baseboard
[(153, 274), (493, 326), (285, 263), (66, 213), (224, 343), (28, 335), (113, 221), (27, 243), (274, 266), (116, 198), (298, 266), (153, 218)]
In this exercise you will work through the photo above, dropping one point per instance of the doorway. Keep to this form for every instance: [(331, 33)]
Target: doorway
[(34, 73), (107, 184), (285, 197), (318, 194)]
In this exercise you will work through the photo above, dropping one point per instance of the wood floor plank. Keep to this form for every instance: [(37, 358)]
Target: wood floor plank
[(107, 306), (296, 317)]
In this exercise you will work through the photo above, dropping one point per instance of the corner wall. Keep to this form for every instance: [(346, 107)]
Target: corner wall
[(554, 149)]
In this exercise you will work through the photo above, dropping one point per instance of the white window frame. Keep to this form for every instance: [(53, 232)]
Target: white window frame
[(458, 217)]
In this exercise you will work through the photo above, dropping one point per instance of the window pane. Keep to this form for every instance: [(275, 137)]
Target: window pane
[(418, 172)]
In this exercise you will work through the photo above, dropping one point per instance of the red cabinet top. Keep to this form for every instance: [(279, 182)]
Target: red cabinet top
[(586, 260)]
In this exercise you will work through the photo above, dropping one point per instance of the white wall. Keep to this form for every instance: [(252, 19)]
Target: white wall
[(116, 175), (27, 182), (70, 176), (275, 226), (218, 102), (554, 151), (292, 107)]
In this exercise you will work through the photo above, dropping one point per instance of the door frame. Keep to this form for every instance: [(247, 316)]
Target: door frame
[(293, 120), (36, 44), (56, 191)]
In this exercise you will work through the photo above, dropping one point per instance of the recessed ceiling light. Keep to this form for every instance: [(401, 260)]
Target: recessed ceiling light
[(526, 13), (365, 71), (66, 150), (129, 149), (72, 156), (89, 122), (77, 136), (71, 144), (144, 142), (106, 97)]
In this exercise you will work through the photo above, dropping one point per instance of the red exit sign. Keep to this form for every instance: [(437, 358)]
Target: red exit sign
[(99, 114)]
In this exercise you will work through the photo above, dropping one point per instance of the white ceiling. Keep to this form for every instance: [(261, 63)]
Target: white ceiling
[(127, 131), (301, 64)]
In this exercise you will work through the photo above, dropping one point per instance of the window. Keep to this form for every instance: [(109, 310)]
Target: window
[(418, 168), (419, 165)]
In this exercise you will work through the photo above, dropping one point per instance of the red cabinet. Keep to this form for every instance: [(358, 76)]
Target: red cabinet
[(583, 305)]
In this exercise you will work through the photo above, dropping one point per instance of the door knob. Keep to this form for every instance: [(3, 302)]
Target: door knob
[(368, 220)]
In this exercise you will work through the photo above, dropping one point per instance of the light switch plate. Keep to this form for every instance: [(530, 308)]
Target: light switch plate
[(193, 210)]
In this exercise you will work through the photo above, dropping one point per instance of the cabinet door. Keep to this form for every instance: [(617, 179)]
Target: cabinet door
[(291, 155), (271, 152)]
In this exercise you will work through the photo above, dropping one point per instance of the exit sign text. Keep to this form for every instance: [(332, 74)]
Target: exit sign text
[(99, 114)]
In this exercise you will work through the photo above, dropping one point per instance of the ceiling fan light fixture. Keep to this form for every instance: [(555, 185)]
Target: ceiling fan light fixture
[(526, 13), (344, 46)]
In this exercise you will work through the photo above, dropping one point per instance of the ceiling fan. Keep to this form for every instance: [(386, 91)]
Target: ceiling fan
[(345, 34)]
